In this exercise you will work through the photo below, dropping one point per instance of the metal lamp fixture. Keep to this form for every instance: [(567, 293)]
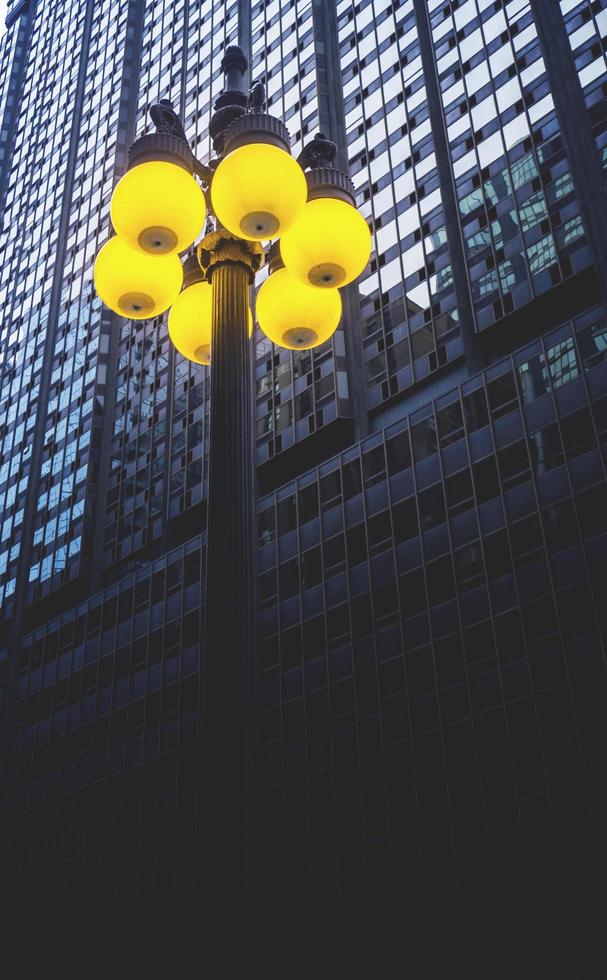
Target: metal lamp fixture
[(257, 193)]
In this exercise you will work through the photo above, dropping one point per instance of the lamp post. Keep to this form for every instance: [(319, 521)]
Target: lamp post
[(257, 193)]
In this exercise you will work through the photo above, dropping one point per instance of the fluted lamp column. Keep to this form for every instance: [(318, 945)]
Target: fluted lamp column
[(230, 264)]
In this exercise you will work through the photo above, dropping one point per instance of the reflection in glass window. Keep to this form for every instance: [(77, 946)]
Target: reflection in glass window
[(533, 378), (562, 362), (592, 342)]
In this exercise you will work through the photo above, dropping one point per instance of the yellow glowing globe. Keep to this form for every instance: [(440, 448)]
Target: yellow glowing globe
[(134, 284), (295, 315), (158, 207), (329, 245), (258, 191), (190, 322)]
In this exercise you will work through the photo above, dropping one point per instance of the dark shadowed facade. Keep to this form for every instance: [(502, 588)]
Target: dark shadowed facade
[(431, 684)]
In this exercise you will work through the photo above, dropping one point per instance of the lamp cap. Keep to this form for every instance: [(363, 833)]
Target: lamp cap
[(161, 146), (257, 127), (327, 182)]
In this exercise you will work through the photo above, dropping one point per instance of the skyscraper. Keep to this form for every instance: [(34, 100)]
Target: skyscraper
[(432, 516)]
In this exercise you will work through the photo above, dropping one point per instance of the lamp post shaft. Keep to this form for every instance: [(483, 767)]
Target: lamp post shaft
[(229, 613)]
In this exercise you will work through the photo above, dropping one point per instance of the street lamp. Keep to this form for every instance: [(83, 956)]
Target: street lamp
[(255, 192)]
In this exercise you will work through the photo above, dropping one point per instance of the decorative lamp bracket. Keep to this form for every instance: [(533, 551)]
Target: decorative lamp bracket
[(221, 248), (257, 98), (166, 120), (320, 152)]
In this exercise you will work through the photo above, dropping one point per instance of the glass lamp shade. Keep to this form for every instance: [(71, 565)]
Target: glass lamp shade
[(295, 315), (190, 322), (134, 284), (329, 245), (158, 207), (258, 191)]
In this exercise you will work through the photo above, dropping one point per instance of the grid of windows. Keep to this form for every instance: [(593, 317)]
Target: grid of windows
[(162, 52), (36, 187), (432, 635), (210, 31), (586, 25), (103, 745), (409, 317), (298, 393), (136, 483), (12, 44), (76, 396), (283, 56), (432, 652), (518, 207)]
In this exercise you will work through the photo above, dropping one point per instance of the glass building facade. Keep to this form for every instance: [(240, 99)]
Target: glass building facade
[(409, 310), (517, 202), (299, 393), (586, 26), (431, 686)]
